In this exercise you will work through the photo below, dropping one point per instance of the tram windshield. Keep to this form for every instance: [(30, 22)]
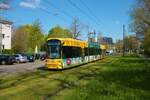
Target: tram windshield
[(54, 49)]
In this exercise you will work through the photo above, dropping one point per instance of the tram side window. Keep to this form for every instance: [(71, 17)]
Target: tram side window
[(86, 51), (71, 52), (91, 51), (96, 51), (99, 52)]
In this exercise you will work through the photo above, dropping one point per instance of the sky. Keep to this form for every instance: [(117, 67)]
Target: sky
[(105, 16)]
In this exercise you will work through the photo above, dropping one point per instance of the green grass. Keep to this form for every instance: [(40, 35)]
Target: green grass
[(114, 78)]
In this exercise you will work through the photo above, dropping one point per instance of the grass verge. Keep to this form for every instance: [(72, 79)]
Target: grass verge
[(114, 78)]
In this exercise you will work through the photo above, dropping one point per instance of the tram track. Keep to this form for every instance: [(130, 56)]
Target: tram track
[(61, 76), (69, 85)]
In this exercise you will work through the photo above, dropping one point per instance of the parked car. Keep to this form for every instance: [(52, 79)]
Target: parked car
[(20, 58), (107, 53), (30, 57), (7, 59), (42, 57), (110, 52)]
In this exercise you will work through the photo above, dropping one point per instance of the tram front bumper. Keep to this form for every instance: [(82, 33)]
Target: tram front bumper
[(53, 64)]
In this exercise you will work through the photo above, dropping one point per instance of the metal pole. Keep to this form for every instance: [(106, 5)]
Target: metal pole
[(1, 37), (88, 45), (124, 40), (1, 30)]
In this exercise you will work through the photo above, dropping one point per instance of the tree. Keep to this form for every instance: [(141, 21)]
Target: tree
[(146, 43), (20, 39), (43, 45), (59, 32), (27, 37), (141, 22), (140, 16), (76, 28), (119, 46), (36, 37), (131, 43)]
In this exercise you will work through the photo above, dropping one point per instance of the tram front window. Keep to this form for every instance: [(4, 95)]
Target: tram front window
[(54, 51)]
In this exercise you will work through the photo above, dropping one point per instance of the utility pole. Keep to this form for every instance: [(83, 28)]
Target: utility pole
[(124, 30), (88, 43), (1, 37), (1, 30)]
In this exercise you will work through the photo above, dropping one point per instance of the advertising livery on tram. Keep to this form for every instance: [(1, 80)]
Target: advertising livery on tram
[(67, 52)]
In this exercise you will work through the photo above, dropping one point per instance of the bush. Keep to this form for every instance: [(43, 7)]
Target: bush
[(7, 51)]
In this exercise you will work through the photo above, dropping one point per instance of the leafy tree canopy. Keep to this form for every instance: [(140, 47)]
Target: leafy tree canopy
[(59, 32), (25, 38), (141, 22)]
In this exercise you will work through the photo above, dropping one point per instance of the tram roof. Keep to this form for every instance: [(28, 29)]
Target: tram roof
[(75, 42), (71, 42)]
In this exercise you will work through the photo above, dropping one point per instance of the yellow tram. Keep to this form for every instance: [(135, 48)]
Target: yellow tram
[(67, 52)]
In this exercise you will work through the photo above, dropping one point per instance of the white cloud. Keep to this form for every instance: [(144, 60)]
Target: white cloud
[(4, 6), (30, 3), (27, 5)]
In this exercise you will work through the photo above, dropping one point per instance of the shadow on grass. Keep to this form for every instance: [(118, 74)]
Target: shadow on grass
[(136, 79), (132, 60), (133, 73), (46, 69)]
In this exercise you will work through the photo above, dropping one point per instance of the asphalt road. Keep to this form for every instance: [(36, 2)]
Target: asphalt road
[(20, 68)]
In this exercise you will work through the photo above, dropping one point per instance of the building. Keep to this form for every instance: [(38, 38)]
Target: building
[(5, 34), (108, 42)]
